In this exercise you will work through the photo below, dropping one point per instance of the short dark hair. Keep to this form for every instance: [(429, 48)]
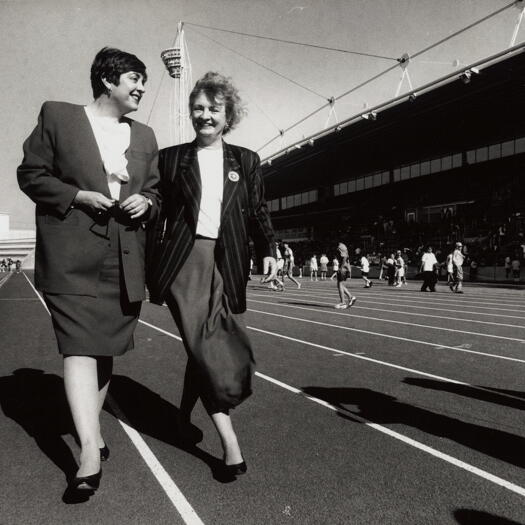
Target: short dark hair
[(216, 85), (110, 63)]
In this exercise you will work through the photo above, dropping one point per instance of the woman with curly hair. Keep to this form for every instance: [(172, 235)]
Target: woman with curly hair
[(201, 258)]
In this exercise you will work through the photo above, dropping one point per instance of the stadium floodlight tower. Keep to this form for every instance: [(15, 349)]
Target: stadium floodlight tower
[(177, 62)]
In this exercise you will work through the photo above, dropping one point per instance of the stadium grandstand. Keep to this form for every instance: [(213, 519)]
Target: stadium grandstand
[(441, 163)]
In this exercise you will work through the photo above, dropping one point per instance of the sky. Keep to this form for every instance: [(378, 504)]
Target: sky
[(48, 47)]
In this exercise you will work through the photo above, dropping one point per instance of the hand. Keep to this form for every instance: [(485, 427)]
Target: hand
[(135, 205), (269, 266), (93, 200)]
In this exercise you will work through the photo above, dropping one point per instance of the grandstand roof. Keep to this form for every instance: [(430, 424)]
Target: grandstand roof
[(449, 115)]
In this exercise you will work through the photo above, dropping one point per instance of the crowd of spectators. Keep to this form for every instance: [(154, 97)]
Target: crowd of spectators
[(486, 242)]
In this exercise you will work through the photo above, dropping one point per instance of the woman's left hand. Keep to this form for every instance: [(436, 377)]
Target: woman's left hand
[(135, 205)]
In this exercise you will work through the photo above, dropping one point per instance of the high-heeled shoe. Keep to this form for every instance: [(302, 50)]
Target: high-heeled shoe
[(104, 453), (235, 470), (91, 482)]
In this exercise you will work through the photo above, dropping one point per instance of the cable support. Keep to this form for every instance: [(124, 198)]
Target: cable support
[(375, 77), (470, 26), (355, 88), (160, 85), (265, 114), (260, 65), (370, 55)]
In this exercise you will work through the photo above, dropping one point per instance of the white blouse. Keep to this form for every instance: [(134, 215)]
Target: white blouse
[(212, 174), (113, 139)]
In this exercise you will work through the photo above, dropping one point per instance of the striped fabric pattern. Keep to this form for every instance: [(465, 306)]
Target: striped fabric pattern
[(244, 215)]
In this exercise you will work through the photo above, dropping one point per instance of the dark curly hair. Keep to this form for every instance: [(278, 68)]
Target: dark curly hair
[(215, 85), (110, 63)]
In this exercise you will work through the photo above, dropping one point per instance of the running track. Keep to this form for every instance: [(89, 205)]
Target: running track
[(405, 409)]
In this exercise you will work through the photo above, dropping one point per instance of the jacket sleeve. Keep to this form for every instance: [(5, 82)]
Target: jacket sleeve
[(260, 224), (151, 188), (36, 175)]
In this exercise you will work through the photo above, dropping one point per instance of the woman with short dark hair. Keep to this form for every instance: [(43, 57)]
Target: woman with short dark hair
[(93, 176)]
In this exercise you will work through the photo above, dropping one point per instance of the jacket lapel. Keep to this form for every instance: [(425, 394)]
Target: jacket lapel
[(91, 160), (190, 182), (232, 179), (133, 169)]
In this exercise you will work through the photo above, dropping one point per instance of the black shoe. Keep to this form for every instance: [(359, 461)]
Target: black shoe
[(235, 470), (86, 482), (104, 453)]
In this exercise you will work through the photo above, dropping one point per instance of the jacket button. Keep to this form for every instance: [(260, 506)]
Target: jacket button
[(125, 252)]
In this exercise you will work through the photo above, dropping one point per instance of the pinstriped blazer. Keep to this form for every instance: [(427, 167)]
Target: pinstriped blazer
[(244, 215)]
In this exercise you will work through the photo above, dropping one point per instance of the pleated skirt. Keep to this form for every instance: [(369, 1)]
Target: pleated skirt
[(215, 339), (97, 326)]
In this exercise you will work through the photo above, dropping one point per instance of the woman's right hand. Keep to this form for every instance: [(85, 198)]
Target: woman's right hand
[(93, 200)]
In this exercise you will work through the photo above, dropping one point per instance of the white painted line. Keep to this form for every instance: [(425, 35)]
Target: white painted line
[(392, 321), (397, 295), (359, 355), (419, 307), (409, 441), (3, 280), (386, 363), (379, 334), (37, 294), (173, 492)]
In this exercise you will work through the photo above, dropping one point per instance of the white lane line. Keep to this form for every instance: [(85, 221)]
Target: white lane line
[(358, 355), (3, 280), (409, 441), (386, 363), (173, 492), (399, 295), (397, 337), (448, 302), (314, 300), (374, 300)]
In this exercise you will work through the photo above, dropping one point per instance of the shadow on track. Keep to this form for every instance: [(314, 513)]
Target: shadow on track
[(468, 391), (384, 409), (477, 517), (296, 303), (36, 401), (150, 414)]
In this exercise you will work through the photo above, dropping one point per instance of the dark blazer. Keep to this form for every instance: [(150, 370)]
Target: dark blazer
[(61, 156), (244, 215)]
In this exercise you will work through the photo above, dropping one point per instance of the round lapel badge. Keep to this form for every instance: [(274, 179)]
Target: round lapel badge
[(233, 176)]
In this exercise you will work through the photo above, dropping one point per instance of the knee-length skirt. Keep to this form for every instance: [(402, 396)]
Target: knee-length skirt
[(101, 325)]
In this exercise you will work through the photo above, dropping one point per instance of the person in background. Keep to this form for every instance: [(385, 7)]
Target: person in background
[(457, 261), (365, 269), (391, 269), (323, 261), (92, 173), (428, 263), (289, 263), (313, 268), (345, 272), (507, 267), (515, 265), (400, 270), (335, 268)]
